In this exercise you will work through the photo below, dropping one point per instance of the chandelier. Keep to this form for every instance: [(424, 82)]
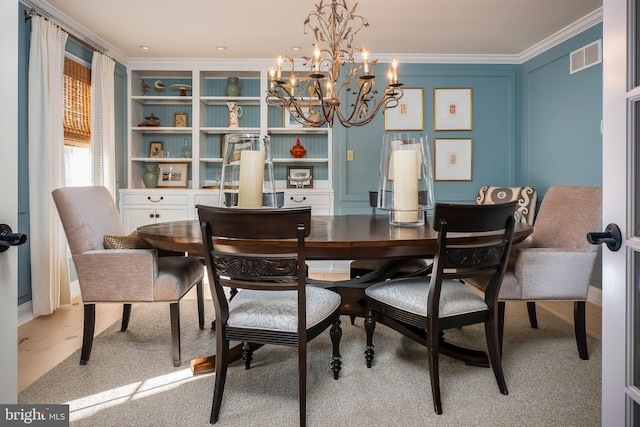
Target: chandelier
[(312, 96)]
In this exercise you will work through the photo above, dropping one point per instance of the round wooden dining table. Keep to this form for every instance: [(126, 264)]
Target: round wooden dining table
[(340, 237), (344, 237)]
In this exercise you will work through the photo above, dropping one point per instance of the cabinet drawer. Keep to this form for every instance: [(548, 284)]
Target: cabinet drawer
[(155, 199), (307, 199)]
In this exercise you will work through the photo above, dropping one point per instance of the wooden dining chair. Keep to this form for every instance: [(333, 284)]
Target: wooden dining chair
[(274, 304), (422, 308)]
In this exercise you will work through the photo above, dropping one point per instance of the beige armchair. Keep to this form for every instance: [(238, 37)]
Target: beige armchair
[(555, 263), (127, 276)]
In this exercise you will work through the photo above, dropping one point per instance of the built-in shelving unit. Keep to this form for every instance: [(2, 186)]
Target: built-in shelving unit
[(200, 143)]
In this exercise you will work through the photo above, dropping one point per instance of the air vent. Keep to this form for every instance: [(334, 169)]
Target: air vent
[(586, 57)]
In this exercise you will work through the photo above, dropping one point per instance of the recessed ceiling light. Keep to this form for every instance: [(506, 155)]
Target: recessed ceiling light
[(296, 48), (221, 48), (143, 47)]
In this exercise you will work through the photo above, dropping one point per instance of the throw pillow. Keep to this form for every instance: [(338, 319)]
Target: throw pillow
[(132, 241)]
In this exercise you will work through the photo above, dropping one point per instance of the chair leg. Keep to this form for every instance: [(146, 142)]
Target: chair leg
[(87, 335), (336, 336), (533, 318), (494, 350), (580, 326), (126, 315), (200, 297), (369, 327), (433, 351), (222, 361), (501, 309), (174, 308), (247, 355), (302, 380)]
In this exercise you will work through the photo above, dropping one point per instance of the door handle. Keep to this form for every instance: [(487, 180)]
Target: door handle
[(612, 237), (8, 238)]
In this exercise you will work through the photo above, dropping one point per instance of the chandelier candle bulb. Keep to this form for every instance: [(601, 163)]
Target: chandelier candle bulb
[(279, 72), (405, 185), (251, 178), (365, 56)]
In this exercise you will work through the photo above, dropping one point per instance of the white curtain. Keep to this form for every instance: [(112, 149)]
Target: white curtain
[(49, 267), (103, 151)]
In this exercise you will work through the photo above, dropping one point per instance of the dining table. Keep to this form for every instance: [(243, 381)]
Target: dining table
[(338, 237)]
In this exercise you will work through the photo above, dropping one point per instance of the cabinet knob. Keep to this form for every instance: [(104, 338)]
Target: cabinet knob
[(155, 201), (157, 215), (150, 215), (293, 199)]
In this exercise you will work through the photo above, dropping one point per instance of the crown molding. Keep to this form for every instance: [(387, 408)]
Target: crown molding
[(563, 35)]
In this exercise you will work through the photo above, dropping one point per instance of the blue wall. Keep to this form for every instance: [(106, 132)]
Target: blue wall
[(559, 136), (533, 124)]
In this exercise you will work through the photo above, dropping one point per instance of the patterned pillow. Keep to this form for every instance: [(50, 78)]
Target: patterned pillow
[(132, 241), (526, 197)]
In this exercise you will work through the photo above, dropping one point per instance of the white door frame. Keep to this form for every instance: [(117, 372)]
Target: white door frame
[(9, 199)]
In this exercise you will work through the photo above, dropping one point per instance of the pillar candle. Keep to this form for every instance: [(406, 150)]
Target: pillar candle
[(251, 178), (405, 185)]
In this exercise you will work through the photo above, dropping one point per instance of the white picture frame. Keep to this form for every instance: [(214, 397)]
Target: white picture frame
[(452, 109), (453, 159), (409, 114)]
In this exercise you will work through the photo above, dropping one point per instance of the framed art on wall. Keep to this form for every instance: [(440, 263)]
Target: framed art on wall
[(174, 175), (408, 115), (452, 109), (453, 159)]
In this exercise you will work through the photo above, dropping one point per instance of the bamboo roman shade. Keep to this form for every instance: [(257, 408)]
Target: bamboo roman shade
[(77, 104)]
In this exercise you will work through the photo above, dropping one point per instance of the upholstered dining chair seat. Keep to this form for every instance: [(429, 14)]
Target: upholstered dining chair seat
[(278, 310), (410, 295)]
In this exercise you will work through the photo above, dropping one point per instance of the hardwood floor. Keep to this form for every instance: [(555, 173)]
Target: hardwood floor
[(48, 340)]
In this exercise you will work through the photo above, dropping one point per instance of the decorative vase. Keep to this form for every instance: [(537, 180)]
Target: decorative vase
[(150, 177), (298, 150), (233, 87), (235, 112)]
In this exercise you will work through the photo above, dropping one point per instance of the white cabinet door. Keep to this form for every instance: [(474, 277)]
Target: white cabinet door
[(136, 217)]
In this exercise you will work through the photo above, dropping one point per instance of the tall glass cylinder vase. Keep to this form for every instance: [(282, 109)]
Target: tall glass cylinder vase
[(406, 179), (247, 179)]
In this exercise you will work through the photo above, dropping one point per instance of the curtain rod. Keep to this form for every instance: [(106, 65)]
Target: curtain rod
[(28, 14)]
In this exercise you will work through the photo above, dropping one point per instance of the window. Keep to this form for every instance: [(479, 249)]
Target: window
[(77, 123)]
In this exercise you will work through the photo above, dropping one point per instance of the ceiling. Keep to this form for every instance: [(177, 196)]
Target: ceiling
[(262, 29)]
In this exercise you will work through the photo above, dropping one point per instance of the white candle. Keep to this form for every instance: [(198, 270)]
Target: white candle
[(405, 185), (251, 178)]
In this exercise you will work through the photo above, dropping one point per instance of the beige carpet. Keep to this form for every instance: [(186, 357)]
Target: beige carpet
[(130, 380)]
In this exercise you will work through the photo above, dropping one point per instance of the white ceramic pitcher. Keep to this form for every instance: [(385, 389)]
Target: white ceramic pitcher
[(235, 112)]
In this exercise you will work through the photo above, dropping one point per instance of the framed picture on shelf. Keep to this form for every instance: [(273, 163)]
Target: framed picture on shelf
[(155, 149), (453, 159), (409, 114), (180, 120), (289, 121), (452, 109), (299, 176), (175, 175), (237, 148)]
